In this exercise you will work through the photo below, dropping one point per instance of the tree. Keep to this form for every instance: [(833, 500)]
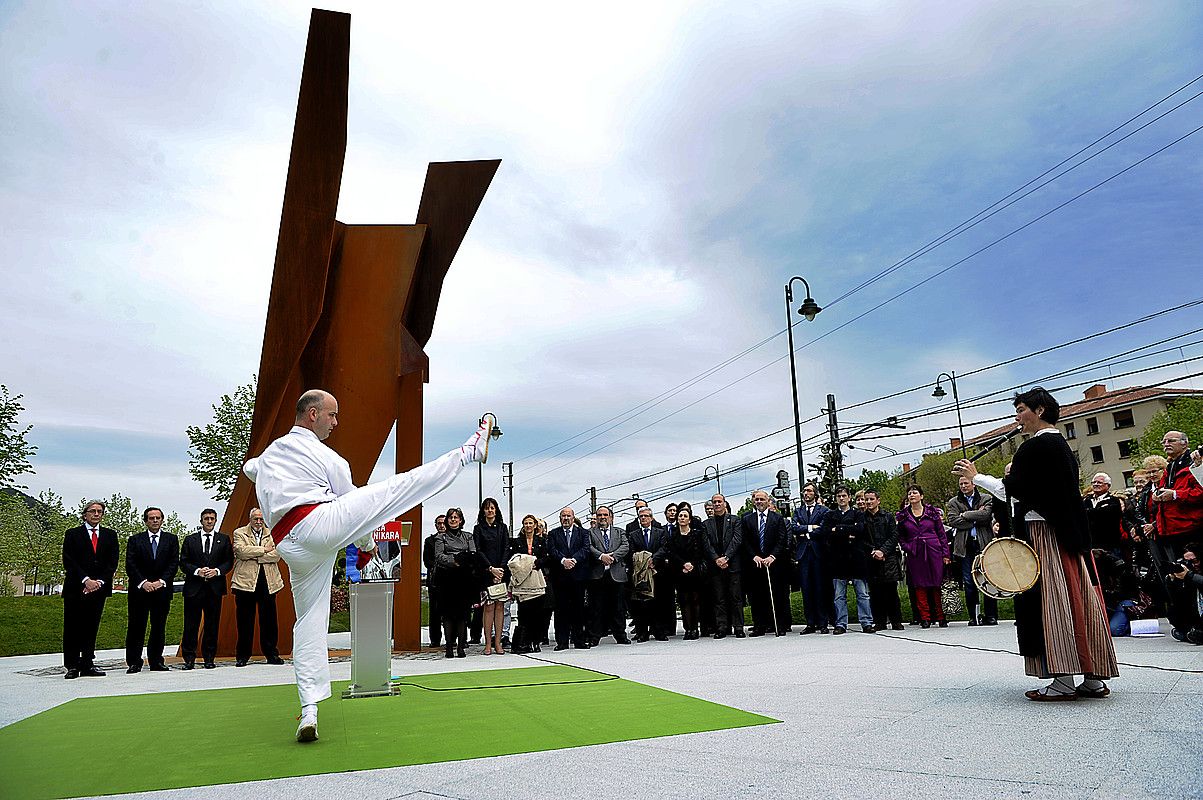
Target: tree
[(216, 451), (15, 451), (888, 488), (31, 538), (824, 472), (1184, 414)]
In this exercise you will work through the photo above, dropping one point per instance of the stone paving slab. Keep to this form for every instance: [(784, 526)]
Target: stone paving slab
[(892, 715)]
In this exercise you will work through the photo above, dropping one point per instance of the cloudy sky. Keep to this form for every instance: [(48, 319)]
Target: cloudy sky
[(667, 167)]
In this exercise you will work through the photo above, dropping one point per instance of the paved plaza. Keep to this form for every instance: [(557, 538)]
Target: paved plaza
[(893, 715)]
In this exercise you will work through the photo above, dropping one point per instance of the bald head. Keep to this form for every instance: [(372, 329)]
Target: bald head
[(317, 410)]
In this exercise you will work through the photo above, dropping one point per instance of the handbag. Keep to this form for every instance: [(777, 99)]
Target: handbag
[(496, 592), (950, 597)]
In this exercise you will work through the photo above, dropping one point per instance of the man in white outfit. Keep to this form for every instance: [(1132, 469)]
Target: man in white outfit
[(315, 511)]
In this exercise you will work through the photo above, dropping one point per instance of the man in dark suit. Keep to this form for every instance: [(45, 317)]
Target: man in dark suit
[(766, 564), (90, 555), (569, 545), (645, 534), (723, 541), (206, 557), (812, 577), (609, 548), (152, 558)]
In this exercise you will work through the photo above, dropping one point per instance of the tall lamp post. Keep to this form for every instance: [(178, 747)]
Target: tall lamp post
[(808, 309), (495, 433), (717, 477), (939, 394)]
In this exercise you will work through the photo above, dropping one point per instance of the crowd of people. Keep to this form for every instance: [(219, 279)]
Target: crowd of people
[(630, 582)]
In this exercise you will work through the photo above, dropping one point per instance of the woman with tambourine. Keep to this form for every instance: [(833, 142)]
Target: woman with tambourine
[(1060, 621)]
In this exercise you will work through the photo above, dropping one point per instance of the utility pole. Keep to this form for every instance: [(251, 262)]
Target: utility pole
[(592, 503), (833, 430), (507, 486)]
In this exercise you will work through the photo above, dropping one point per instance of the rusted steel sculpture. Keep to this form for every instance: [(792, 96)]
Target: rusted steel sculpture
[(351, 308)]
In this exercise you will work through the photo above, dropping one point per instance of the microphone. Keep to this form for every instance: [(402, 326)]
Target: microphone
[(997, 443)]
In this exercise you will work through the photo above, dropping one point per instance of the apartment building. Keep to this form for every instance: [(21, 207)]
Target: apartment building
[(1102, 428)]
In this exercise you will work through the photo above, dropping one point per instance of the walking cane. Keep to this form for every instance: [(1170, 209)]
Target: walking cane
[(772, 600)]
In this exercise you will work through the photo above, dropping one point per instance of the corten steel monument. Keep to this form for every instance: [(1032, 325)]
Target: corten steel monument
[(351, 308)]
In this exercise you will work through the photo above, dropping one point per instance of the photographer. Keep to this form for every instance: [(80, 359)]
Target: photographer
[(1185, 585)]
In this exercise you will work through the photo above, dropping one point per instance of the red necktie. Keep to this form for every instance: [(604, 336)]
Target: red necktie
[(95, 540)]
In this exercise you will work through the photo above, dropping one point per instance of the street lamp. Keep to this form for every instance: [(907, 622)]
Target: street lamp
[(717, 479), (940, 394), (808, 309), (495, 433)]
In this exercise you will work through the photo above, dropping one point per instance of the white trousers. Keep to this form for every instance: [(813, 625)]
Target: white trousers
[(316, 542)]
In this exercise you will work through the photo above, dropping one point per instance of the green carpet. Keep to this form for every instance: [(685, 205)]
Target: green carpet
[(246, 734)]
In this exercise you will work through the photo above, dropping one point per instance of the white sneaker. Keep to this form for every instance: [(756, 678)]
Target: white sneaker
[(477, 447), (307, 730)]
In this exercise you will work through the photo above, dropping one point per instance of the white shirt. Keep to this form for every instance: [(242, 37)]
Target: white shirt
[(297, 469)]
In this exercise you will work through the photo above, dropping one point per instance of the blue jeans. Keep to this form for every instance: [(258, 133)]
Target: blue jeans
[(863, 612), (1121, 623)]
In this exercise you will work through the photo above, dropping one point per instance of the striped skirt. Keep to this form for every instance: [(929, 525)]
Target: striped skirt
[(1077, 638)]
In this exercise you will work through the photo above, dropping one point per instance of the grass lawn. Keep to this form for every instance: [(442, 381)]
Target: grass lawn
[(31, 625)]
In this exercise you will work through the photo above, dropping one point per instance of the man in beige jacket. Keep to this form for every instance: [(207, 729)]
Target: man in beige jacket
[(256, 579)]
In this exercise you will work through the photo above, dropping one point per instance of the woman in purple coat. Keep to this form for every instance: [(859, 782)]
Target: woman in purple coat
[(921, 534)]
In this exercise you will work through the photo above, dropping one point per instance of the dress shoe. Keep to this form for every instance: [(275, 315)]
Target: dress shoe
[(719, 635), (739, 633), (450, 651), (924, 624), (159, 668), (623, 640), (643, 638), (307, 730), (91, 672), (1195, 636), (189, 665), (898, 626), (943, 623), (72, 674), (756, 632), (808, 629), (868, 629), (838, 630), (210, 665), (989, 621), (133, 670), (240, 663), (781, 633), (474, 641), (972, 622), (690, 635), (278, 661), (560, 647), (660, 637), (460, 653)]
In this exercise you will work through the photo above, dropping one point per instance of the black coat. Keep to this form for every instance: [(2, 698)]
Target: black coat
[(142, 565), (192, 558), (539, 550), (81, 562), (1044, 479), (1105, 521), (883, 535), (679, 550), (493, 545), (846, 544), (726, 540)]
